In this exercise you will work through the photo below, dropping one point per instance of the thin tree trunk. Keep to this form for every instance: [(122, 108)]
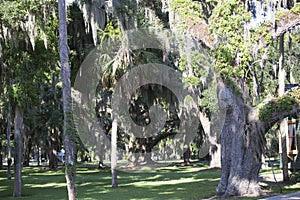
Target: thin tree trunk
[(1, 157), (39, 150), (186, 155), (53, 148), (70, 168), (215, 153), (102, 152), (18, 141), (8, 129), (27, 148), (114, 153), (283, 125)]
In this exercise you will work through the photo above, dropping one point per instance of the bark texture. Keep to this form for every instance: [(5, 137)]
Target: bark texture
[(283, 126), (70, 170), (114, 155), (243, 142), (242, 136), (18, 141), (8, 132), (53, 142)]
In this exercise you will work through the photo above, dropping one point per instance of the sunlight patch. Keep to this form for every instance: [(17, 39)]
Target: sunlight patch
[(46, 185)]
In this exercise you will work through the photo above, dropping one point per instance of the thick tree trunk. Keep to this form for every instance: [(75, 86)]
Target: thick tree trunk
[(144, 150), (241, 147), (8, 132), (70, 170), (18, 141), (243, 140)]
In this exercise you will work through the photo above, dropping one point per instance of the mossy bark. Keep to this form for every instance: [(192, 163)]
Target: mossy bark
[(242, 141), (70, 171)]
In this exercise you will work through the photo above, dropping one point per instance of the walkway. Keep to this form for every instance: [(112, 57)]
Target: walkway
[(292, 196)]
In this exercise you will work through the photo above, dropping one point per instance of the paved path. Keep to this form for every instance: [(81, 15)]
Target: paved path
[(292, 196)]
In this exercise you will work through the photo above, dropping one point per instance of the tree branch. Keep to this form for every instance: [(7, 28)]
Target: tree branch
[(277, 109), (286, 23)]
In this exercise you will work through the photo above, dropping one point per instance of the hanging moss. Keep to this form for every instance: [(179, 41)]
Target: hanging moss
[(30, 27), (94, 16)]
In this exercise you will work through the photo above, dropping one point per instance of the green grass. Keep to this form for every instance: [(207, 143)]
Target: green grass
[(162, 183), (190, 183)]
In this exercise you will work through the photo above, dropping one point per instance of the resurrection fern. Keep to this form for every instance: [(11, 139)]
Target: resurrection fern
[(281, 104)]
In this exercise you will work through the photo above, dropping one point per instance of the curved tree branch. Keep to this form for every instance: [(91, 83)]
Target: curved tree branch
[(286, 23), (277, 109)]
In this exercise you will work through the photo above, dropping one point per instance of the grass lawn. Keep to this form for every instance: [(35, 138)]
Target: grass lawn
[(162, 183)]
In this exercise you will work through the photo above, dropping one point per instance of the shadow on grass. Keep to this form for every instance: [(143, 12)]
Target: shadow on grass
[(173, 182), (163, 183)]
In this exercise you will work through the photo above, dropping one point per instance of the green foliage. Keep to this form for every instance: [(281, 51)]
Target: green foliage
[(263, 31), (296, 8), (279, 105), (187, 9), (192, 80), (209, 99), (29, 71), (27, 68), (281, 14), (202, 64), (111, 30), (272, 140), (233, 53)]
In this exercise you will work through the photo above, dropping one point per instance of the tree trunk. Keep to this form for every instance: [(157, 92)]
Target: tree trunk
[(100, 151), (215, 153), (27, 149), (18, 141), (211, 128), (241, 148), (186, 156), (53, 148), (114, 153), (243, 140), (70, 168), (8, 129), (143, 150), (283, 125), (1, 156), (39, 157)]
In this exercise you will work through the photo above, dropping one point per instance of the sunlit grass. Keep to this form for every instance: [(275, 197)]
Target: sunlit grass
[(165, 183), (161, 183)]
